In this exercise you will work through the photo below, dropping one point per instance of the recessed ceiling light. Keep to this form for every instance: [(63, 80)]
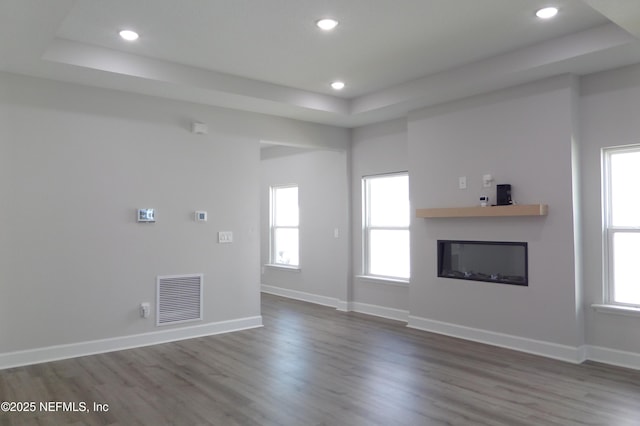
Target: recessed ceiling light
[(327, 24), (337, 85), (547, 12), (129, 35)]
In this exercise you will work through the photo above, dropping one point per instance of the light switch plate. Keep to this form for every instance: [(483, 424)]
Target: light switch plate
[(146, 215), (225, 237)]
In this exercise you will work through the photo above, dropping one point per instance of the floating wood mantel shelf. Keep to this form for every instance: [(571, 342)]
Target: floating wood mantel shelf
[(492, 211)]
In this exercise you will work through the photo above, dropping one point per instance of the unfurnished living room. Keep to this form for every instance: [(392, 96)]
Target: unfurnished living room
[(328, 212)]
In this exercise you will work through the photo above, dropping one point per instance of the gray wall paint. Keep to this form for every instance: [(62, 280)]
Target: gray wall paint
[(578, 237), (543, 138), (375, 149), (80, 157), (76, 263), (521, 136), (322, 178), (5, 191), (610, 102)]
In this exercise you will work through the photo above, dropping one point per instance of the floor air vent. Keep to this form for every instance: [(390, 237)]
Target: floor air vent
[(179, 299)]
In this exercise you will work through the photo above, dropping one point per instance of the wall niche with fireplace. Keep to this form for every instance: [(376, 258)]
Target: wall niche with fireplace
[(502, 262)]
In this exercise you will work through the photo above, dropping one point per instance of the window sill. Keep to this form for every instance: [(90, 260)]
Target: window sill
[(382, 280), (617, 310), (283, 267)]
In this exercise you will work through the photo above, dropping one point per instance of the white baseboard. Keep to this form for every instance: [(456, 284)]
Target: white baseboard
[(614, 357), (575, 355), (571, 354), (340, 305), (58, 352), (380, 311), (344, 306), (304, 296)]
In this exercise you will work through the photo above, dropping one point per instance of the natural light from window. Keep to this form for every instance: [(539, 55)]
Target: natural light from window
[(386, 222), (284, 226), (623, 220)]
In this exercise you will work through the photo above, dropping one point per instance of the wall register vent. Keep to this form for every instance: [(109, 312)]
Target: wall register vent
[(179, 299)]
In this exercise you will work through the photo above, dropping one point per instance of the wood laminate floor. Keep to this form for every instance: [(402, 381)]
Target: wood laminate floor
[(313, 365)]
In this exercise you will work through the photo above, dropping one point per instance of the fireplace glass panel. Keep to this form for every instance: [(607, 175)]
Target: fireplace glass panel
[(491, 261)]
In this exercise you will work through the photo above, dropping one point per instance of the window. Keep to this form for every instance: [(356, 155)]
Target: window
[(386, 226), (284, 226), (622, 224)]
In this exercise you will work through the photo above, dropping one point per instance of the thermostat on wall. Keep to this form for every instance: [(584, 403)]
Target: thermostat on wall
[(146, 215), (201, 216)]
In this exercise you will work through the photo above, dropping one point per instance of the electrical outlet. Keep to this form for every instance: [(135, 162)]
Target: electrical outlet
[(145, 310), (462, 182), (225, 237)]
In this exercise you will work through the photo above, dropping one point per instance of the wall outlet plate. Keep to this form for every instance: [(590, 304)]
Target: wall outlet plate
[(145, 310), (462, 182), (201, 216)]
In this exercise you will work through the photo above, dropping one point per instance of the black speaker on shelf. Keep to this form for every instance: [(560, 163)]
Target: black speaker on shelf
[(503, 195)]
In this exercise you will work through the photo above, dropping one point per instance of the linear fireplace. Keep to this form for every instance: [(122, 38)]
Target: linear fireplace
[(492, 261)]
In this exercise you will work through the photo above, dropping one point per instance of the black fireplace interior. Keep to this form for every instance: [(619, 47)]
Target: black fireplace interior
[(492, 261)]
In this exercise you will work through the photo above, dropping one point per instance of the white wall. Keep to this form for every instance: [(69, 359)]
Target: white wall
[(75, 264), (522, 136), (375, 149), (322, 177), (610, 102)]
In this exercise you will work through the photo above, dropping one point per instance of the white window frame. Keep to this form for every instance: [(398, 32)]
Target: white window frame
[(273, 258), (609, 231), (366, 228)]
